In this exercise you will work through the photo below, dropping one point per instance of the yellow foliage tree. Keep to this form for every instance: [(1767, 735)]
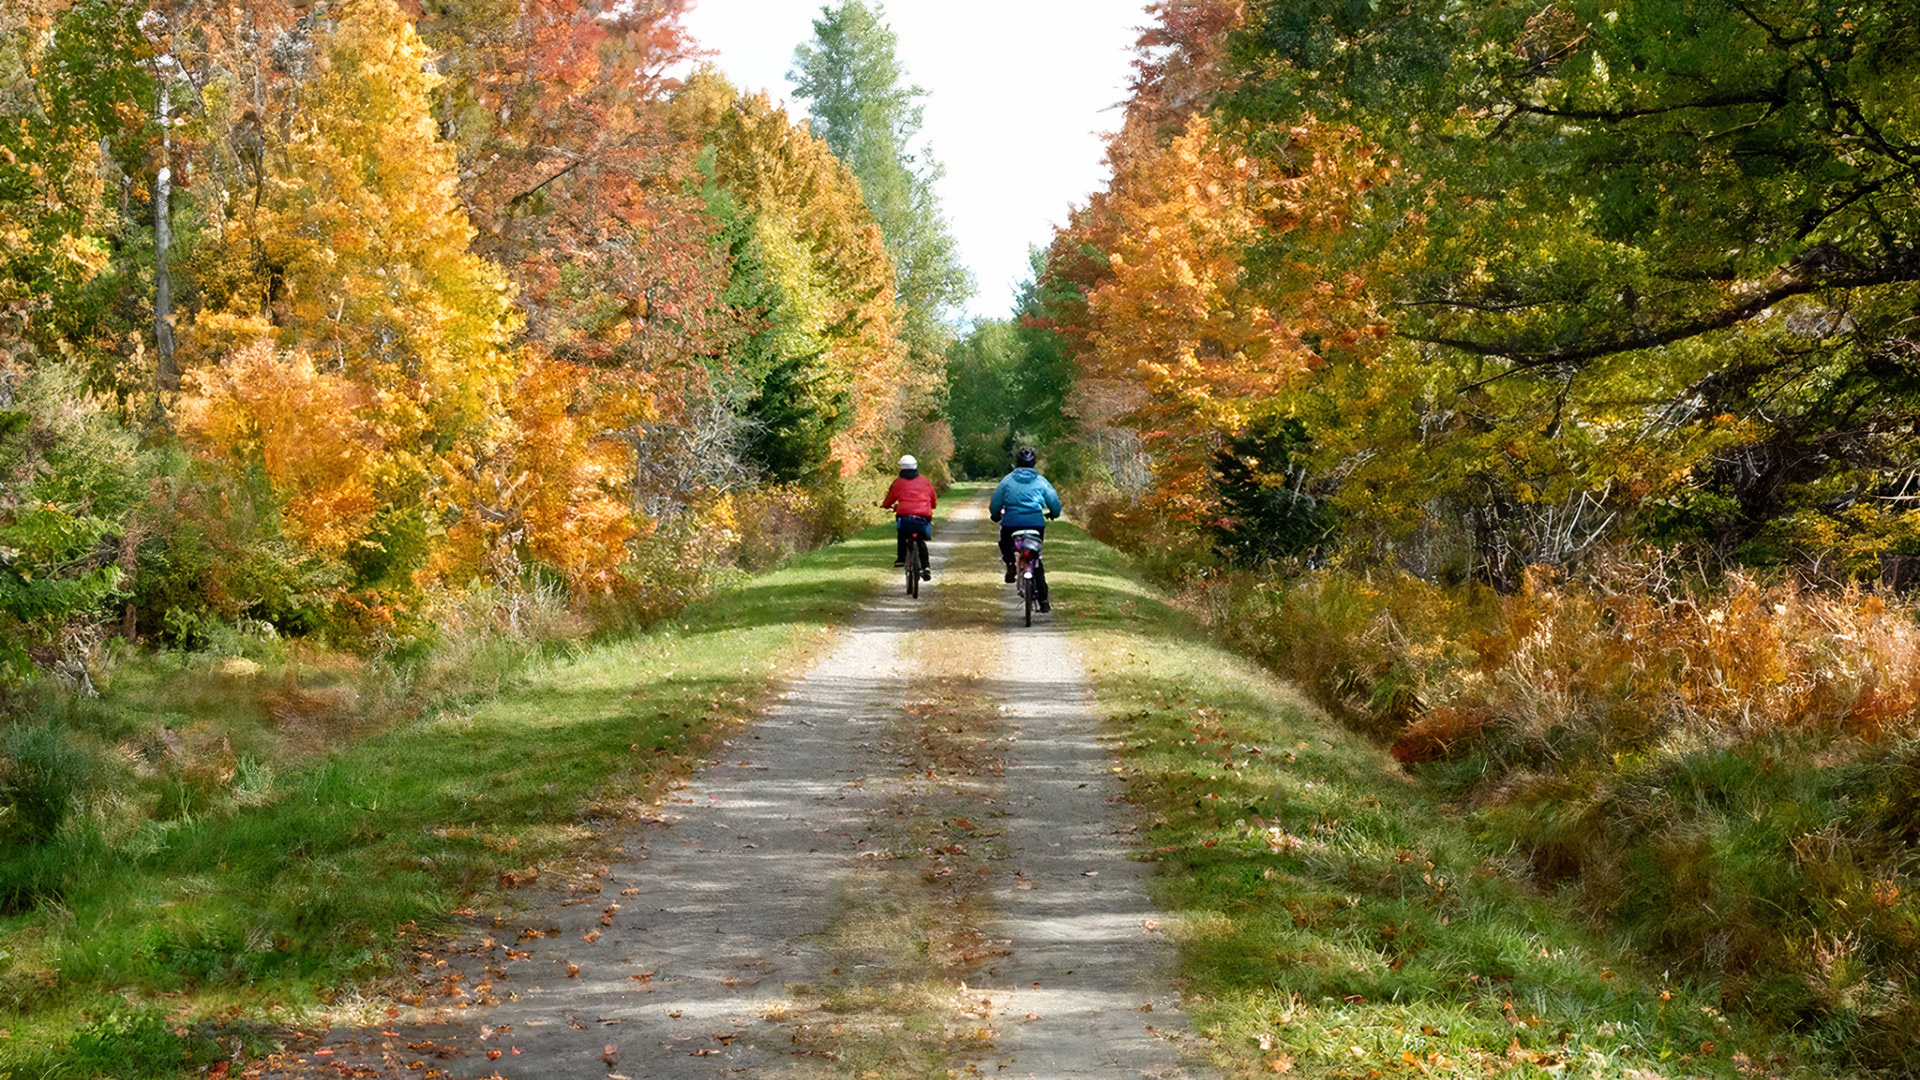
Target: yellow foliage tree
[(826, 260), (384, 391), (369, 243)]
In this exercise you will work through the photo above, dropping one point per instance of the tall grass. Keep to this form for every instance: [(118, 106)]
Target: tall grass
[(1334, 920), (1725, 773)]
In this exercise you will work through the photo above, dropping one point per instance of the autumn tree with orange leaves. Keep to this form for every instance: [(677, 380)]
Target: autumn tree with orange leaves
[(1194, 287)]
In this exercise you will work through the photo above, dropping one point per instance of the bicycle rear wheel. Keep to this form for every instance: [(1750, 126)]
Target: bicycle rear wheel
[(1026, 592), (913, 567)]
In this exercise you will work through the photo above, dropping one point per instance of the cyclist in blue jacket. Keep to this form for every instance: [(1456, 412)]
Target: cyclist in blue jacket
[(1024, 500)]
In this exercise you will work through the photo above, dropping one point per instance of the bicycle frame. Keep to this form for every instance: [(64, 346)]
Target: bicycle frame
[(915, 537), (1026, 554)]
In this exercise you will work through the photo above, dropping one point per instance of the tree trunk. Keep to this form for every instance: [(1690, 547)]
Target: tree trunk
[(166, 377)]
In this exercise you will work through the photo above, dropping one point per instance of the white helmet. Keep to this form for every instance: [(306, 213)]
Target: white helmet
[(907, 462)]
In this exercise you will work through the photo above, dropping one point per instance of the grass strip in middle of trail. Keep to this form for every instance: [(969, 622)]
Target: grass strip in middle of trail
[(1334, 919), (906, 938), (239, 928)]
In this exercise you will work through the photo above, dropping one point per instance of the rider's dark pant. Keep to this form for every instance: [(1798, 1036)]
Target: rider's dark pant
[(909, 526), (1006, 555)]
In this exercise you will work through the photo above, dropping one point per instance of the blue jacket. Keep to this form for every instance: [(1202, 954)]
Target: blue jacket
[(1024, 500)]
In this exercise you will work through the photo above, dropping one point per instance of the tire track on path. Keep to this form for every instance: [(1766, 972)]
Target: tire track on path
[(719, 945), (1089, 957)]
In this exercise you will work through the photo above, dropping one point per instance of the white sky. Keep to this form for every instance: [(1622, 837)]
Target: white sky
[(1018, 96)]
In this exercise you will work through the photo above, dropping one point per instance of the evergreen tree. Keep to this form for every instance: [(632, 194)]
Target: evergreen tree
[(823, 374), (860, 102)]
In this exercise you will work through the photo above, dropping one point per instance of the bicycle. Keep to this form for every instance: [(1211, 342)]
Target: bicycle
[(915, 535), (1027, 565)]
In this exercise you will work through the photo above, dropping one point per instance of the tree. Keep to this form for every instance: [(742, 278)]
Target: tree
[(1197, 293), (1008, 381), (1656, 262), (64, 86), (859, 102), (591, 198), (581, 189), (825, 367), (364, 264)]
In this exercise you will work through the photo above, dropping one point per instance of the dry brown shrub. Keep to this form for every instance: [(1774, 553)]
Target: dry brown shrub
[(1737, 660), (1441, 734)]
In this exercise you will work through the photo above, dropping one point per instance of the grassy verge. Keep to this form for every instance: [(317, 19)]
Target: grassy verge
[(1334, 919), (214, 932)]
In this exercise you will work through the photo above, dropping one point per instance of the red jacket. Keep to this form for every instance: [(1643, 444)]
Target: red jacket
[(914, 497)]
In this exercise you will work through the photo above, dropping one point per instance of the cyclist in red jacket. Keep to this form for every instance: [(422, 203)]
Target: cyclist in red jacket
[(912, 499)]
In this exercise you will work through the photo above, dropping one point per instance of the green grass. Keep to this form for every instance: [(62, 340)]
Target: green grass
[(1334, 919), (186, 937)]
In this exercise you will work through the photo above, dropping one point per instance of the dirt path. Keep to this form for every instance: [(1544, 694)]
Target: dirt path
[(915, 865)]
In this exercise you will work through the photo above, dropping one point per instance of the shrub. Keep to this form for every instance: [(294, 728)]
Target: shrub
[(71, 490), (1725, 773), (42, 776)]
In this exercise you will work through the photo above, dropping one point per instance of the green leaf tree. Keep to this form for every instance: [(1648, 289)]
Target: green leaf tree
[(1653, 267), (860, 102)]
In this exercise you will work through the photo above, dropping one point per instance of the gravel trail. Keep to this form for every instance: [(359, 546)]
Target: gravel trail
[(882, 876)]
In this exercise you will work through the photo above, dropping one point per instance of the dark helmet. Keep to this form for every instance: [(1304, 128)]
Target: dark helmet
[(1025, 458)]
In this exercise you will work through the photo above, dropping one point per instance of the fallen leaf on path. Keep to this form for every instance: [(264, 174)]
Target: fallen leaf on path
[(1281, 1064), (573, 971), (673, 1014), (611, 1055), (493, 1053), (590, 937), (642, 977)]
